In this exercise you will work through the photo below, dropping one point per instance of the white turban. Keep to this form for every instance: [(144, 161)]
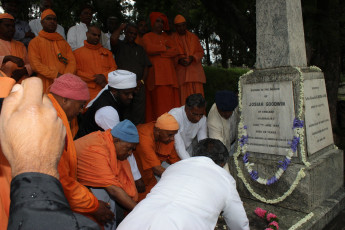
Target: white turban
[(118, 79), (122, 79)]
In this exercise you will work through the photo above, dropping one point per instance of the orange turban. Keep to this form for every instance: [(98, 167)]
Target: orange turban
[(179, 19), (155, 15), (46, 13), (6, 16), (167, 122)]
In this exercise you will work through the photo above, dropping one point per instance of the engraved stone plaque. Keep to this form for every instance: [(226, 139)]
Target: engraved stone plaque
[(318, 123), (268, 113)]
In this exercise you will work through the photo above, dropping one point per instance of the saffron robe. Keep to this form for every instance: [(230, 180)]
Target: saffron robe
[(192, 77), (150, 153), (91, 60), (6, 85), (162, 85), (5, 182), (79, 197), (17, 49), (98, 165), (43, 55)]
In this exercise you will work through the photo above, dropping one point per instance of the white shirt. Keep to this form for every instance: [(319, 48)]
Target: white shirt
[(36, 27), (190, 195), (222, 129), (105, 39), (77, 35), (106, 118), (187, 132)]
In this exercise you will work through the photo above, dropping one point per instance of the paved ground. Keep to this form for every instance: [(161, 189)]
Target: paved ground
[(337, 223)]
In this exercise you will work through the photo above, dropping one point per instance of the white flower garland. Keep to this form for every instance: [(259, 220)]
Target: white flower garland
[(299, 132), (302, 221)]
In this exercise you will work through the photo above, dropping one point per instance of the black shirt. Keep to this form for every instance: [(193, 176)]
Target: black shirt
[(38, 202), (131, 57)]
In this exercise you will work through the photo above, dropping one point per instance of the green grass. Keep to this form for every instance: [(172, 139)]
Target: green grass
[(220, 79)]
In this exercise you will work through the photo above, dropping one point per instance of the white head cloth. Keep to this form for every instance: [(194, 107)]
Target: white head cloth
[(118, 79)]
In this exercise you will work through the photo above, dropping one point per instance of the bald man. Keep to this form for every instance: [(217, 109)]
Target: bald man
[(94, 62)]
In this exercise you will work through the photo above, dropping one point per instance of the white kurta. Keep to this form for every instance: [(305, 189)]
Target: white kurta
[(220, 128), (187, 132), (36, 27), (77, 35), (190, 195)]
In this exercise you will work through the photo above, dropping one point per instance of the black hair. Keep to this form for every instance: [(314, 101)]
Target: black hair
[(195, 100), (81, 9), (131, 25), (213, 149)]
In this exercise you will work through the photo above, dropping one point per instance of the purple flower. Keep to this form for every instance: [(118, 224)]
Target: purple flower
[(284, 164), (297, 123), (294, 143), (272, 180), (245, 127), (243, 140), (245, 157), (254, 175)]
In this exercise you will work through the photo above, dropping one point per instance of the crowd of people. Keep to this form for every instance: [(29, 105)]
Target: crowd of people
[(118, 121)]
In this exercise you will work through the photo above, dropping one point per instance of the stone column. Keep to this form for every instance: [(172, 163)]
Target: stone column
[(279, 34), (281, 89)]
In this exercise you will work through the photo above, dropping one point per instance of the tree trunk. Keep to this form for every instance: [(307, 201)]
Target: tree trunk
[(208, 56)]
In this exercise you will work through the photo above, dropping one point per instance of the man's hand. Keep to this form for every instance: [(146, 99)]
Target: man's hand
[(31, 134), (14, 59), (100, 80), (183, 61), (140, 185), (103, 214), (158, 170), (19, 73), (122, 26), (191, 59)]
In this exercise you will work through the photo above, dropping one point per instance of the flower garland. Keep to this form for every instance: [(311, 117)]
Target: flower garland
[(272, 219), (299, 137), (283, 165), (302, 221)]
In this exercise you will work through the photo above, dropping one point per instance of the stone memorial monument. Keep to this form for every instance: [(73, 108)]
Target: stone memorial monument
[(286, 161)]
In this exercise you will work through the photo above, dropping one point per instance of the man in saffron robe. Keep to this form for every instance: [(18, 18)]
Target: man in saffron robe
[(156, 146), (22, 29), (162, 86), (94, 62), (103, 165), (106, 110), (13, 55), (50, 55), (69, 94), (190, 73), (35, 24)]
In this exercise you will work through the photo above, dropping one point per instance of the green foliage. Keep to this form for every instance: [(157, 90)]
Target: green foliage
[(220, 79)]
